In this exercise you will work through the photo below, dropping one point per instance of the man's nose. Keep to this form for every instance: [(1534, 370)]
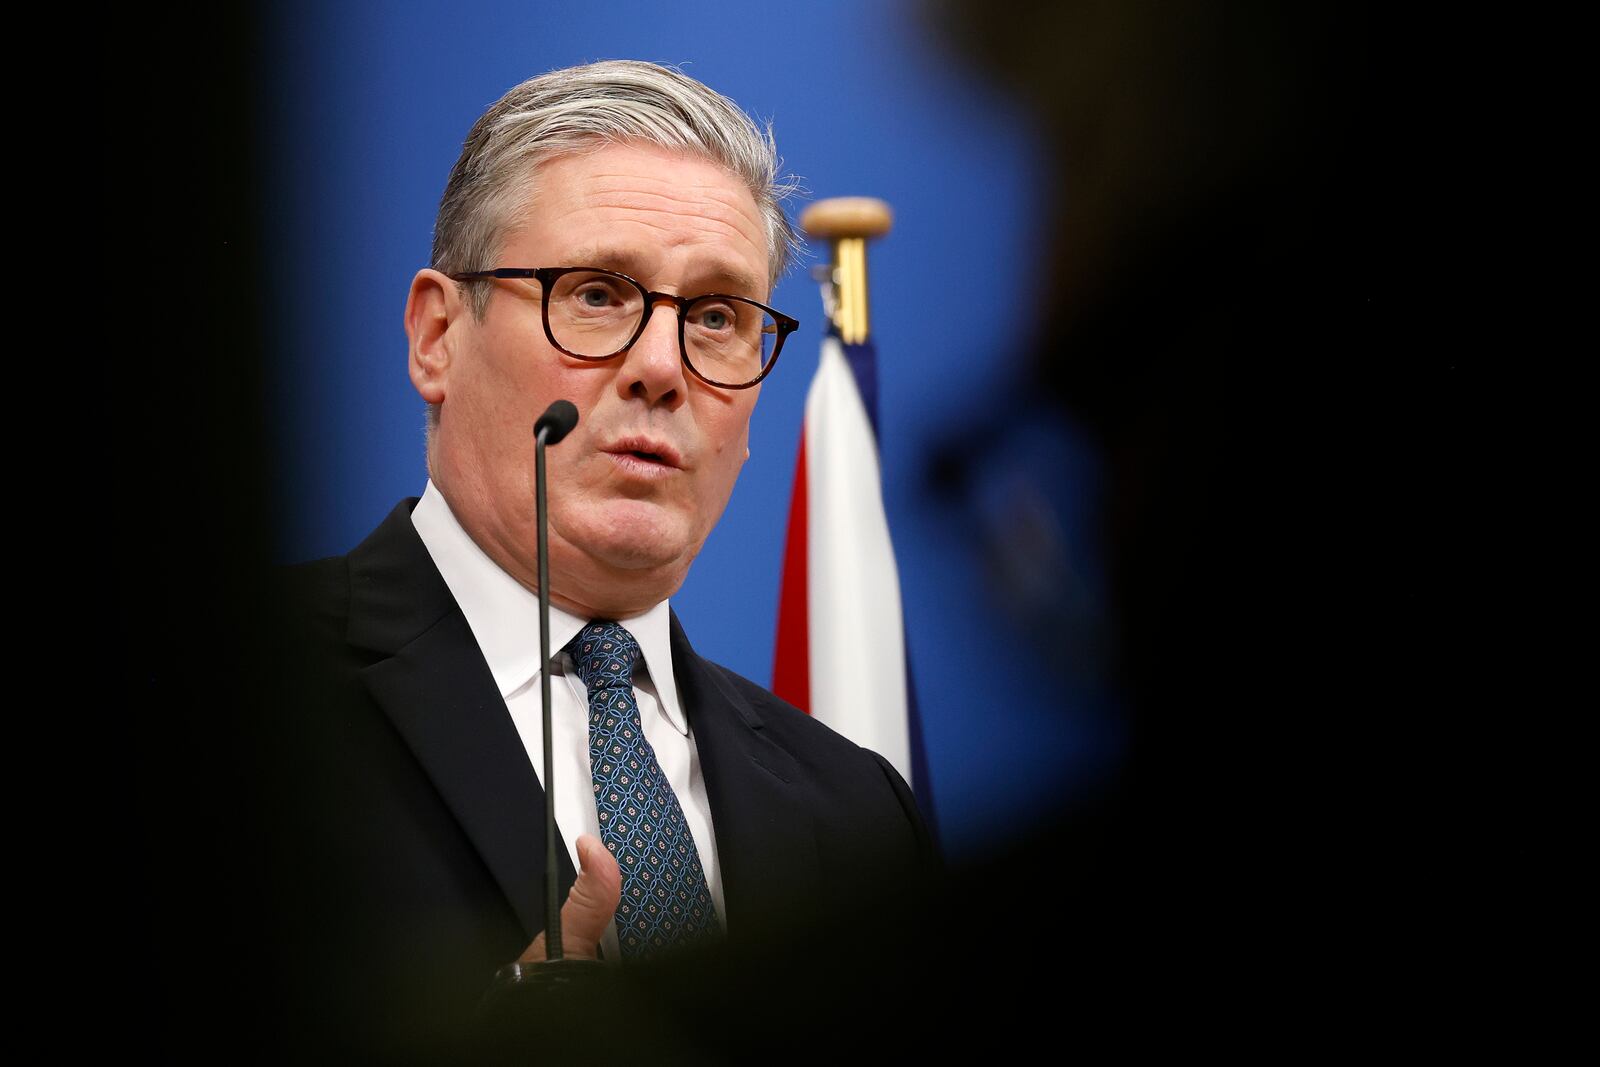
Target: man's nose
[(652, 369)]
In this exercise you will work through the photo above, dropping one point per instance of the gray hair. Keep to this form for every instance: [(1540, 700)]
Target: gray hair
[(581, 108)]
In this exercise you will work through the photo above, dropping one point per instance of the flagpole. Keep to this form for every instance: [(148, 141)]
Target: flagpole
[(840, 616), (847, 223)]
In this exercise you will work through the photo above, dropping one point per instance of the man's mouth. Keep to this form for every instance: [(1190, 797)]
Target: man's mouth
[(645, 450)]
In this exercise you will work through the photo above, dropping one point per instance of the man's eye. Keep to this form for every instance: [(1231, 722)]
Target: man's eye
[(595, 297), (716, 319)]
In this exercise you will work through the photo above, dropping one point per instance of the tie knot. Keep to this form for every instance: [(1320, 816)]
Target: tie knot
[(605, 654)]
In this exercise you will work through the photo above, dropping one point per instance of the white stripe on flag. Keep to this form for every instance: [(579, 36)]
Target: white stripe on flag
[(858, 679)]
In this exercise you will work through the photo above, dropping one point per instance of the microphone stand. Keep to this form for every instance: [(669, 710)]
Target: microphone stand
[(555, 969), (552, 881)]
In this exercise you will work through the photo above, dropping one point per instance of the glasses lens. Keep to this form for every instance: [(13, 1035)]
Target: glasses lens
[(729, 341), (593, 314)]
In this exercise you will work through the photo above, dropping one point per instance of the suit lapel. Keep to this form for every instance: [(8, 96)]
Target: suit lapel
[(437, 690), (766, 843)]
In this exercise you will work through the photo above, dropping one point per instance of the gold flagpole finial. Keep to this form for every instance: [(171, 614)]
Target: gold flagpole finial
[(847, 223)]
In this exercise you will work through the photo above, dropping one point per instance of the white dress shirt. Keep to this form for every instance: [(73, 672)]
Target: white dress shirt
[(504, 617)]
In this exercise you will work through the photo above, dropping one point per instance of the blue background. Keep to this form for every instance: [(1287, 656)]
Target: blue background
[(367, 105)]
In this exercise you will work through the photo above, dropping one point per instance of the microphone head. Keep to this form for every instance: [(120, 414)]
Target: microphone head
[(557, 421)]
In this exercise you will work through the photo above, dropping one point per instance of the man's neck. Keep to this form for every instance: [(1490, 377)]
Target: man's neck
[(579, 585)]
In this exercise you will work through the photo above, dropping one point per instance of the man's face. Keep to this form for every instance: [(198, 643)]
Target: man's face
[(635, 489)]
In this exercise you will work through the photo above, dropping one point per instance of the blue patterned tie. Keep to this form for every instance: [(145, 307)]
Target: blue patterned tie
[(665, 900)]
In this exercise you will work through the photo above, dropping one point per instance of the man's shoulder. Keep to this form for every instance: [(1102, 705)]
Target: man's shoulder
[(317, 589), (778, 714), (859, 812), (319, 593), (817, 746)]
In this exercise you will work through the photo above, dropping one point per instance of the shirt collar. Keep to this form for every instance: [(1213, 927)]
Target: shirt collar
[(504, 615)]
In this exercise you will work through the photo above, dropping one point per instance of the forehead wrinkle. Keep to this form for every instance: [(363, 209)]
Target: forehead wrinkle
[(704, 226), (736, 200), (726, 212), (623, 178), (730, 194), (736, 203)]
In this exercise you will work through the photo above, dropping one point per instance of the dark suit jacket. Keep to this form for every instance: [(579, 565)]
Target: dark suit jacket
[(408, 825)]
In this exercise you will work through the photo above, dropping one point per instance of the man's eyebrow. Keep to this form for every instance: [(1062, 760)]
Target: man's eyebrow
[(708, 278), (619, 260)]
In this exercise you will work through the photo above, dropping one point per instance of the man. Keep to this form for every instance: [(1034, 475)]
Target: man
[(609, 236)]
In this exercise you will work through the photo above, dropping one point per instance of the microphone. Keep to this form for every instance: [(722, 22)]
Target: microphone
[(556, 422)]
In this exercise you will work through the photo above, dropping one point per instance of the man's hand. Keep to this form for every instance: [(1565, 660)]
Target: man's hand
[(590, 905)]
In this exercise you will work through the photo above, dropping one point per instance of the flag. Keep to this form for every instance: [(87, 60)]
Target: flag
[(841, 649)]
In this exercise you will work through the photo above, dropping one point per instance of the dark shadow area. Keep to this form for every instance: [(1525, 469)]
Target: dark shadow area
[(1241, 314), (184, 866)]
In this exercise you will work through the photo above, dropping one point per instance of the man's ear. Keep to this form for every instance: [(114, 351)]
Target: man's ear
[(433, 304)]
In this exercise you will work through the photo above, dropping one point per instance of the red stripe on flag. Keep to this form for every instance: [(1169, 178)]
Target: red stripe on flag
[(791, 663)]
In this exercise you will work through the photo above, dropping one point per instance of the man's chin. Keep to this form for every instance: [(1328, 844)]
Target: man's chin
[(632, 557), (618, 584), (633, 550)]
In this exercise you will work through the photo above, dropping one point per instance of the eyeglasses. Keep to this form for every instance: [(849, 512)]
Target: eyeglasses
[(593, 314)]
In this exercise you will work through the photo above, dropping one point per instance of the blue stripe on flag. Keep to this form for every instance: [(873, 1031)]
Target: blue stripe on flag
[(862, 360)]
